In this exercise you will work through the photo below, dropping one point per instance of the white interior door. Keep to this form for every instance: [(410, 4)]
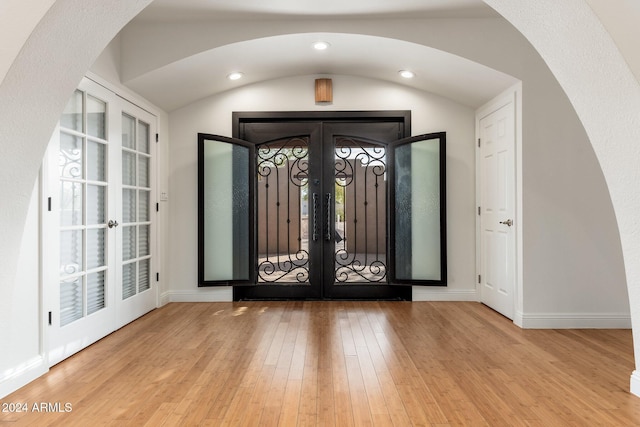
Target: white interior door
[(135, 294), (98, 227), (81, 272), (497, 208)]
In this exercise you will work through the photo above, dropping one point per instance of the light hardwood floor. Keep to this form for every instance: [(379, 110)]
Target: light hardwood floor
[(338, 363)]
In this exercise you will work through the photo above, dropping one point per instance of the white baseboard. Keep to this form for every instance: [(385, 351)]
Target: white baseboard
[(218, 294), (573, 320), (634, 386), (425, 293), (518, 319), (226, 294), (13, 379)]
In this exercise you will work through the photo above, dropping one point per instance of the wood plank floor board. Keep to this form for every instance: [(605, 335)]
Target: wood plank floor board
[(338, 364)]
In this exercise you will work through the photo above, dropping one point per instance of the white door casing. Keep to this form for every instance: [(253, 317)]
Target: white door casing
[(498, 222)]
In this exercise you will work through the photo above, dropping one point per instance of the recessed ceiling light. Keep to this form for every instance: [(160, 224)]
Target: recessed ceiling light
[(235, 76), (407, 74), (321, 45)]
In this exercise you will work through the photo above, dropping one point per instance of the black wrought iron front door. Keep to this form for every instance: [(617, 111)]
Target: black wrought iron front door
[(321, 210), (355, 191), (313, 205)]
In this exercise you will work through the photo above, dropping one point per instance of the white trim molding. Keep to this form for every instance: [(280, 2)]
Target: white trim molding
[(424, 293), (13, 379), (213, 294), (634, 384), (573, 321)]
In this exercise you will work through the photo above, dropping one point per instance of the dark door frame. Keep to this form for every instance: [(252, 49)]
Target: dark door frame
[(401, 117)]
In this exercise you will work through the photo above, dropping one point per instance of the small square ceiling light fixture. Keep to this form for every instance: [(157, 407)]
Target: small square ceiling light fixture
[(324, 90)]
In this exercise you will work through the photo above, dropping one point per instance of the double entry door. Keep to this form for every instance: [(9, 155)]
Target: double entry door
[(320, 217), (99, 219)]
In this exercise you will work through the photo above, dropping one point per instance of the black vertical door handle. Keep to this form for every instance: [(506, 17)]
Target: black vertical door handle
[(327, 237), (315, 217)]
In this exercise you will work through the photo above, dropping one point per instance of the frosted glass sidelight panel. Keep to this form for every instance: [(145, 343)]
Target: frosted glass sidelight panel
[(128, 168), (143, 137), (72, 114), (70, 158), (143, 240), (70, 203), (226, 211), (71, 300), (128, 205), (128, 242), (128, 131), (96, 117), (143, 171), (96, 161), (70, 252), (143, 203), (418, 237), (143, 275), (95, 248), (128, 280), (96, 204), (95, 292), (425, 218)]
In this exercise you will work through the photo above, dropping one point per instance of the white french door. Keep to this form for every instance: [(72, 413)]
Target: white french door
[(497, 208), (136, 231), (98, 225)]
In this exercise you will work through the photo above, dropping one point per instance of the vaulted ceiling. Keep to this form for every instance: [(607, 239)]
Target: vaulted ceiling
[(178, 51)]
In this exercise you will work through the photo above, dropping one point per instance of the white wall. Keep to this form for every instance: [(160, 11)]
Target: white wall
[(16, 24), (430, 113), (572, 254), (621, 22), (25, 357)]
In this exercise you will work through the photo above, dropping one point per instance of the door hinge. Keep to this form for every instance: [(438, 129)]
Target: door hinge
[(157, 207), (479, 278), (157, 137), (478, 142), (157, 277), (50, 318), (49, 204), (478, 210)]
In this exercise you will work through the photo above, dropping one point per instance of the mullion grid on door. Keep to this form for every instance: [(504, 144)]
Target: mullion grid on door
[(136, 230), (79, 278)]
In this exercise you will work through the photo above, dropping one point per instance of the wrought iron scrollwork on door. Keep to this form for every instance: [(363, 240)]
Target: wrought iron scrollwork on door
[(360, 231), (282, 211)]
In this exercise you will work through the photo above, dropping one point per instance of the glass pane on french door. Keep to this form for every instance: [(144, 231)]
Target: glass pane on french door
[(83, 188), (135, 206)]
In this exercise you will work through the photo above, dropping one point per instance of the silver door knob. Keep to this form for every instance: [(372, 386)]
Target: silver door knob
[(112, 223), (508, 222)]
